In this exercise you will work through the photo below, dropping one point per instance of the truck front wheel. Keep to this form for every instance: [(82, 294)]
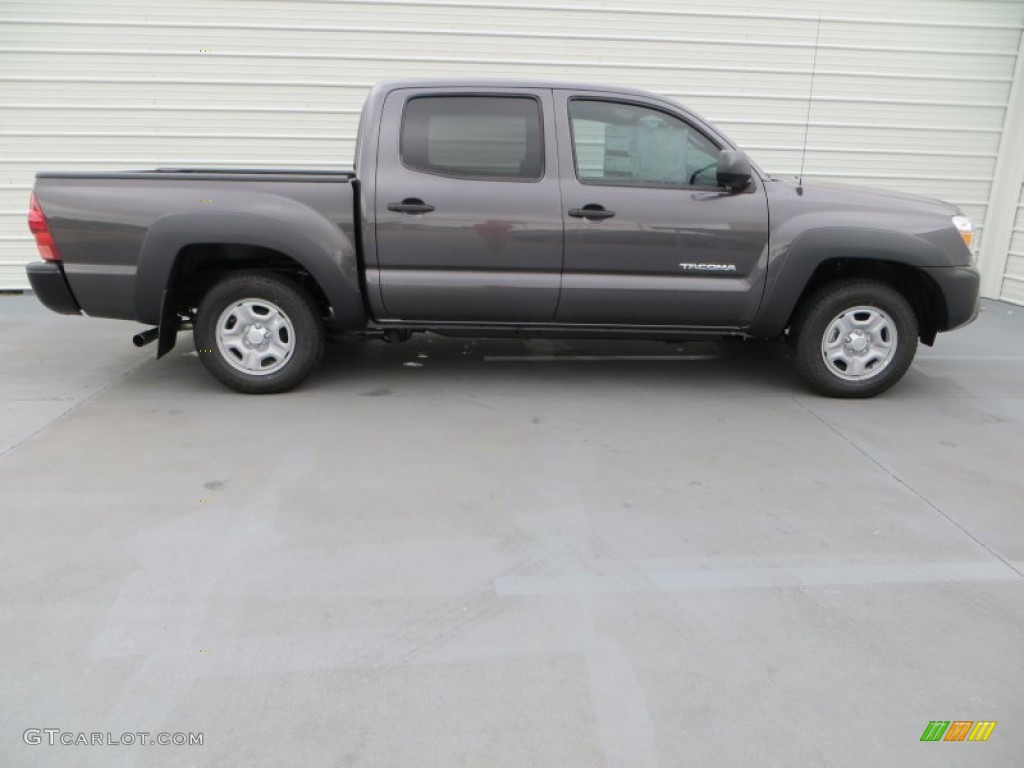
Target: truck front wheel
[(259, 333), (854, 338)]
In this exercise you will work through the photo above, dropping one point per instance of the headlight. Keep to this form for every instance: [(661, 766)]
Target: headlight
[(966, 229)]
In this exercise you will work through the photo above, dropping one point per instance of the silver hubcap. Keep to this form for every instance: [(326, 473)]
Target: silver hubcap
[(255, 336), (859, 343)]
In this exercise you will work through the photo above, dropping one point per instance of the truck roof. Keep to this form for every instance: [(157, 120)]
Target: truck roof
[(497, 82)]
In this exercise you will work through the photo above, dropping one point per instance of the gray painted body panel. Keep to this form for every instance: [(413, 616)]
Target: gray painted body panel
[(491, 255), (629, 268), (119, 234), (815, 223), (490, 251)]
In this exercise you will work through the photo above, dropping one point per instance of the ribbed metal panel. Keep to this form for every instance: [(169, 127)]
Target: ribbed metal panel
[(1013, 279), (908, 96)]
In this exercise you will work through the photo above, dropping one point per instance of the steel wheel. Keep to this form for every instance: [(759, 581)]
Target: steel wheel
[(259, 332), (859, 343), (854, 337), (255, 336)]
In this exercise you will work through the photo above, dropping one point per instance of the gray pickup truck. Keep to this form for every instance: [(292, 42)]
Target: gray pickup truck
[(508, 209)]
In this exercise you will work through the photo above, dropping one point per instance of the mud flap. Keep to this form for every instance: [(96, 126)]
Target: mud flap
[(169, 325)]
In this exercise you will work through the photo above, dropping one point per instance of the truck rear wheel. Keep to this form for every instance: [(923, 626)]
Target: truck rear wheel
[(259, 333), (854, 338)]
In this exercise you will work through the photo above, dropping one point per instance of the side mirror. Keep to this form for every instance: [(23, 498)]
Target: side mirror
[(733, 170)]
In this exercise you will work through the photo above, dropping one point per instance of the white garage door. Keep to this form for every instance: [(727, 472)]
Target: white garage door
[(908, 95)]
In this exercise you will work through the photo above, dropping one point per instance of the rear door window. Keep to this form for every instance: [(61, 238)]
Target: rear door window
[(477, 137)]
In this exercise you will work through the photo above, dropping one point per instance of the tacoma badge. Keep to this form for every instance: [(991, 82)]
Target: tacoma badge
[(691, 267)]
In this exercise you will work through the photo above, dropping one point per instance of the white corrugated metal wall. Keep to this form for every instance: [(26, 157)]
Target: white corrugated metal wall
[(909, 95), (1013, 278), (1002, 250)]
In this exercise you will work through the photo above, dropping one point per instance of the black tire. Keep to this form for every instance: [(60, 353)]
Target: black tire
[(891, 338), (293, 336)]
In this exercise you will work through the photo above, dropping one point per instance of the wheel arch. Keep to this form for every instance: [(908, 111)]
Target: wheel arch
[(915, 285), (820, 257), (179, 246)]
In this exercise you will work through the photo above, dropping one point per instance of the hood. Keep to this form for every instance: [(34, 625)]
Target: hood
[(865, 198)]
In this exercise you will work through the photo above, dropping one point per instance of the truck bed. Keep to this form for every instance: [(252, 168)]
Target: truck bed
[(105, 221)]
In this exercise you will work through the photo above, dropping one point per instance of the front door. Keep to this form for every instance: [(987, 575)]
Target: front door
[(467, 207), (650, 237)]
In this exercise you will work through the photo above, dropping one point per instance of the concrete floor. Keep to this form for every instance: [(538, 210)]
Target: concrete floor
[(444, 554)]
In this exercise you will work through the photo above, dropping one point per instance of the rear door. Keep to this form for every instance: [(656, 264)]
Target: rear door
[(467, 206), (650, 238)]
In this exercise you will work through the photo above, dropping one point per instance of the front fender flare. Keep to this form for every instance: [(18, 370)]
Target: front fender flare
[(791, 269)]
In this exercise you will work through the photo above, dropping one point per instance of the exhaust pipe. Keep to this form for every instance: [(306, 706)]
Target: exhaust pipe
[(146, 337)]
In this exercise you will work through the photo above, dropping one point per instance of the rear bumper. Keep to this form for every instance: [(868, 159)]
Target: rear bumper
[(959, 286), (48, 281)]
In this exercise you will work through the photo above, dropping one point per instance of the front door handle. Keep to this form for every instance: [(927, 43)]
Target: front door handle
[(591, 211), (410, 205)]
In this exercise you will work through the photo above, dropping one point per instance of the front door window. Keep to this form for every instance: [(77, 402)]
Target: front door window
[(630, 145)]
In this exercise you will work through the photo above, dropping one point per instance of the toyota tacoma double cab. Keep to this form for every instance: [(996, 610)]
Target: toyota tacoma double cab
[(493, 208)]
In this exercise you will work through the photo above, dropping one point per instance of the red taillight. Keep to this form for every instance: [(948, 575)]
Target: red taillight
[(37, 224)]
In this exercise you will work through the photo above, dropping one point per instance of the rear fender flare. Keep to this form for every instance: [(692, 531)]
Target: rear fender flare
[(318, 246)]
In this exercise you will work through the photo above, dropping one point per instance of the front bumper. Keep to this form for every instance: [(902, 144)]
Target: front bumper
[(48, 281), (959, 286)]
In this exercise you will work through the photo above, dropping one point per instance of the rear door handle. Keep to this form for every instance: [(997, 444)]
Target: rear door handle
[(591, 211), (410, 205)]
